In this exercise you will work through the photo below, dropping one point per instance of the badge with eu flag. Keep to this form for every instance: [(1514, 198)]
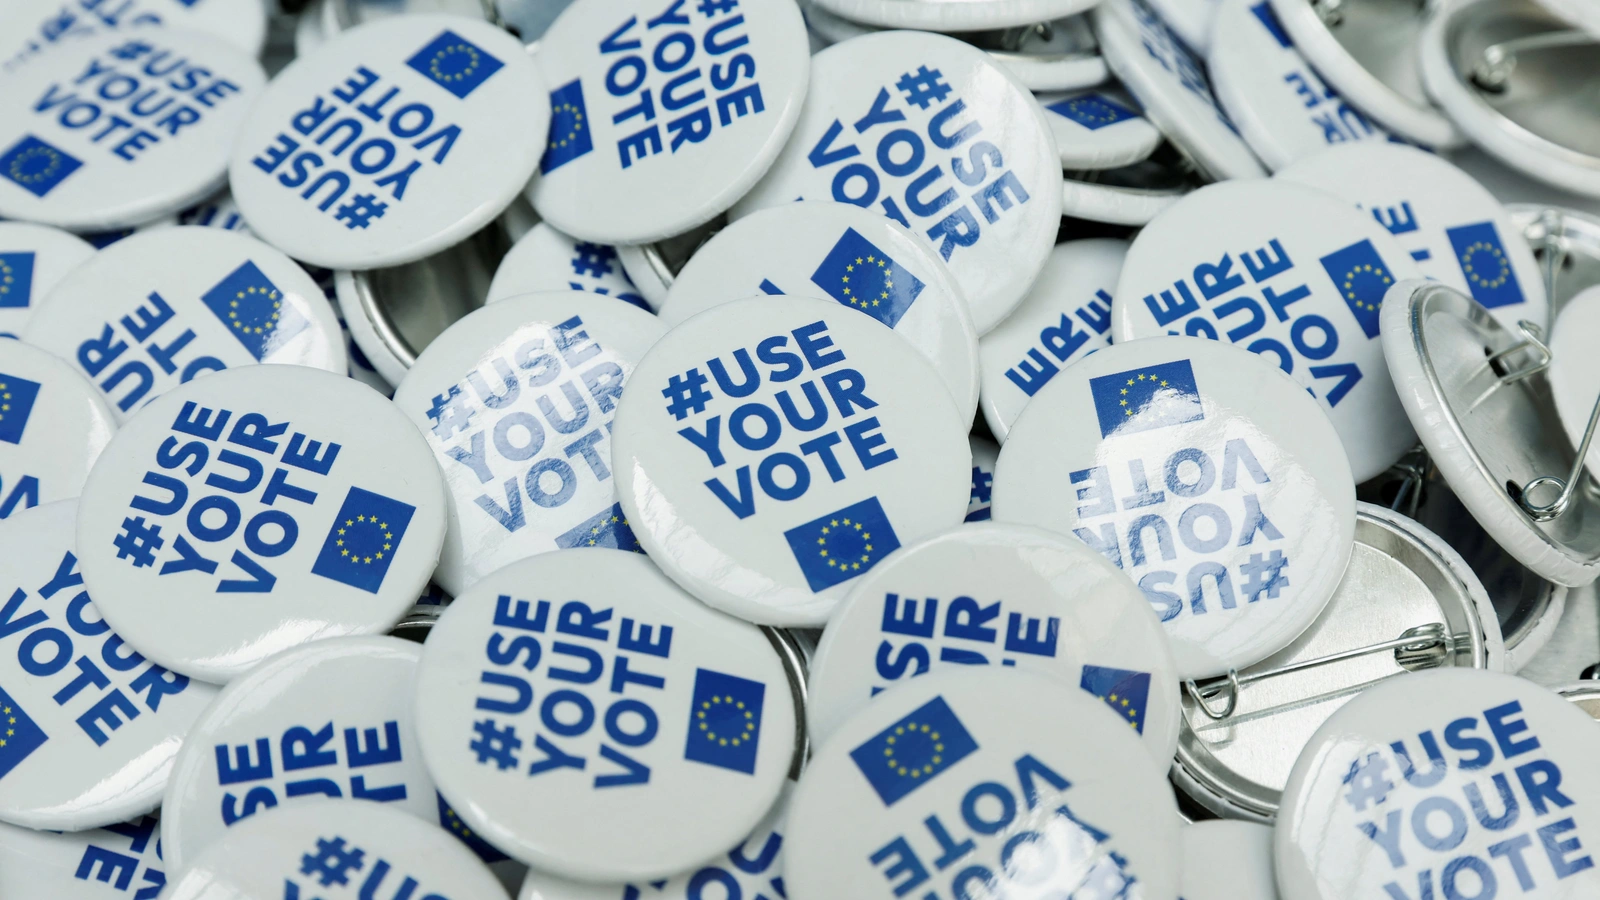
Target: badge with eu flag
[(37, 167), (1483, 261), (16, 405), (1123, 690), (254, 311), (859, 275), (569, 127), (609, 528), (455, 63), (1362, 279), (1146, 398), (363, 540), (1092, 111), (451, 822), (20, 736), (16, 279), (725, 721), (835, 548), (913, 751)]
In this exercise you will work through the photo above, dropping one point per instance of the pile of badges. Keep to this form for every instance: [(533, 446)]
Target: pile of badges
[(799, 450)]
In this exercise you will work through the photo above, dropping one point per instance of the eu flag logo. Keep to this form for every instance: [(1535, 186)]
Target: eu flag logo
[(20, 736), (1483, 260), (1146, 398), (16, 279), (835, 548), (1092, 111), (725, 721), (449, 821), (609, 528), (861, 276), (363, 540), (36, 166), (1122, 690), (569, 127), (1362, 279), (455, 63), (913, 751), (254, 310), (16, 404)]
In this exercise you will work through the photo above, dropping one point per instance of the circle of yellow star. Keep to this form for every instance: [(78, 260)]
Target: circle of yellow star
[(436, 69), (722, 740)]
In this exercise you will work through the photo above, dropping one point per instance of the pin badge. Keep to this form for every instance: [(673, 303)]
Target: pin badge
[(1100, 128), (984, 455), (1287, 272), (516, 402), (623, 698), (159, 309), (1574, 371), (664, 113), (53, 426), (1129, 195), (953, 15), (257, 509), (38, 26), (544, 259), (860, 259), (392, 141), (1062, 802), (768, 453), (919, 97), (85, 744), (65, 866), (121, 127), (33, 258), (653, 267), (1227, 860)]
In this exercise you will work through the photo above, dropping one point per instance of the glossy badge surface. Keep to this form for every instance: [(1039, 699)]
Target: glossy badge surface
[(34, 26), (664, 113), (768, 453), (934, 134), (864, 261), (1000, 595), (670, 726), (121, 127), (32, 259), (1208, 476), (159, 309), (257, 509), (1574, 371), (83, 865), (1287, 272), (392, 141), (516, 401), (90, 726), (1455, 783), (53, 426), (1059, 804), (544, 259), (1227, 860), (335, 849), (332, 718)]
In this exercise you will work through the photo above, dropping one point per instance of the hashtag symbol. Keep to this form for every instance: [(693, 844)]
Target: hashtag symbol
[(331, 863), (450, 413), (131, 50), (593, 259), (686, 394), (361, 209), (1264, 575), (1367, 782), (709, 8), (497, 745), (138, 542), (981, 481), (923, 88)]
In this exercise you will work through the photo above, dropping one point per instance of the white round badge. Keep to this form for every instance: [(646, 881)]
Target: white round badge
[(334, 848), (934, 134), (1288, 272), (1191, 20), (68, 866), (1226, 859), (1040, 789), (669, 725), (861, 259), (953, 15), (1574, 371), (53, 426), (1454, 783), (33, 258), (394, 140), (121, 127), (768, 453), (331, 718), (998, 595), (985, 454), (1171, 85), (1206, 475), (1457, 232), (90, 726), (161, 308), (1282, 108), (544, 259), (1066, 317), (34, 26), (1099, 128), (255, 510), (692, 102), (516, 401)]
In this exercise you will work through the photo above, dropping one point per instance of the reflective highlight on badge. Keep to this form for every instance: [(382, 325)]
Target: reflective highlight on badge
[(1483, 261), (16, 279), (16, 405), (863, 277), (1123, 690), (835, 548), (913, 751), (609, 528), (37, 167), (364, 539), (570, 135), (1146, 398), (20, 735), (725, 721), (254, 310), (455, 63), (1362, 279)]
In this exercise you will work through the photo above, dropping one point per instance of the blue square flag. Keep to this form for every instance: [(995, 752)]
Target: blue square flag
[(725, 721), (19, 736), (254, 311), (913, 751), (835, 548), (1125, 691), (1362, 279), (1483, 261), (570, 135), (16, 279), (859, 275), (363, 540), (16, 405), (37, 167), (455, 63), (1092, 111), (1145, 398)]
